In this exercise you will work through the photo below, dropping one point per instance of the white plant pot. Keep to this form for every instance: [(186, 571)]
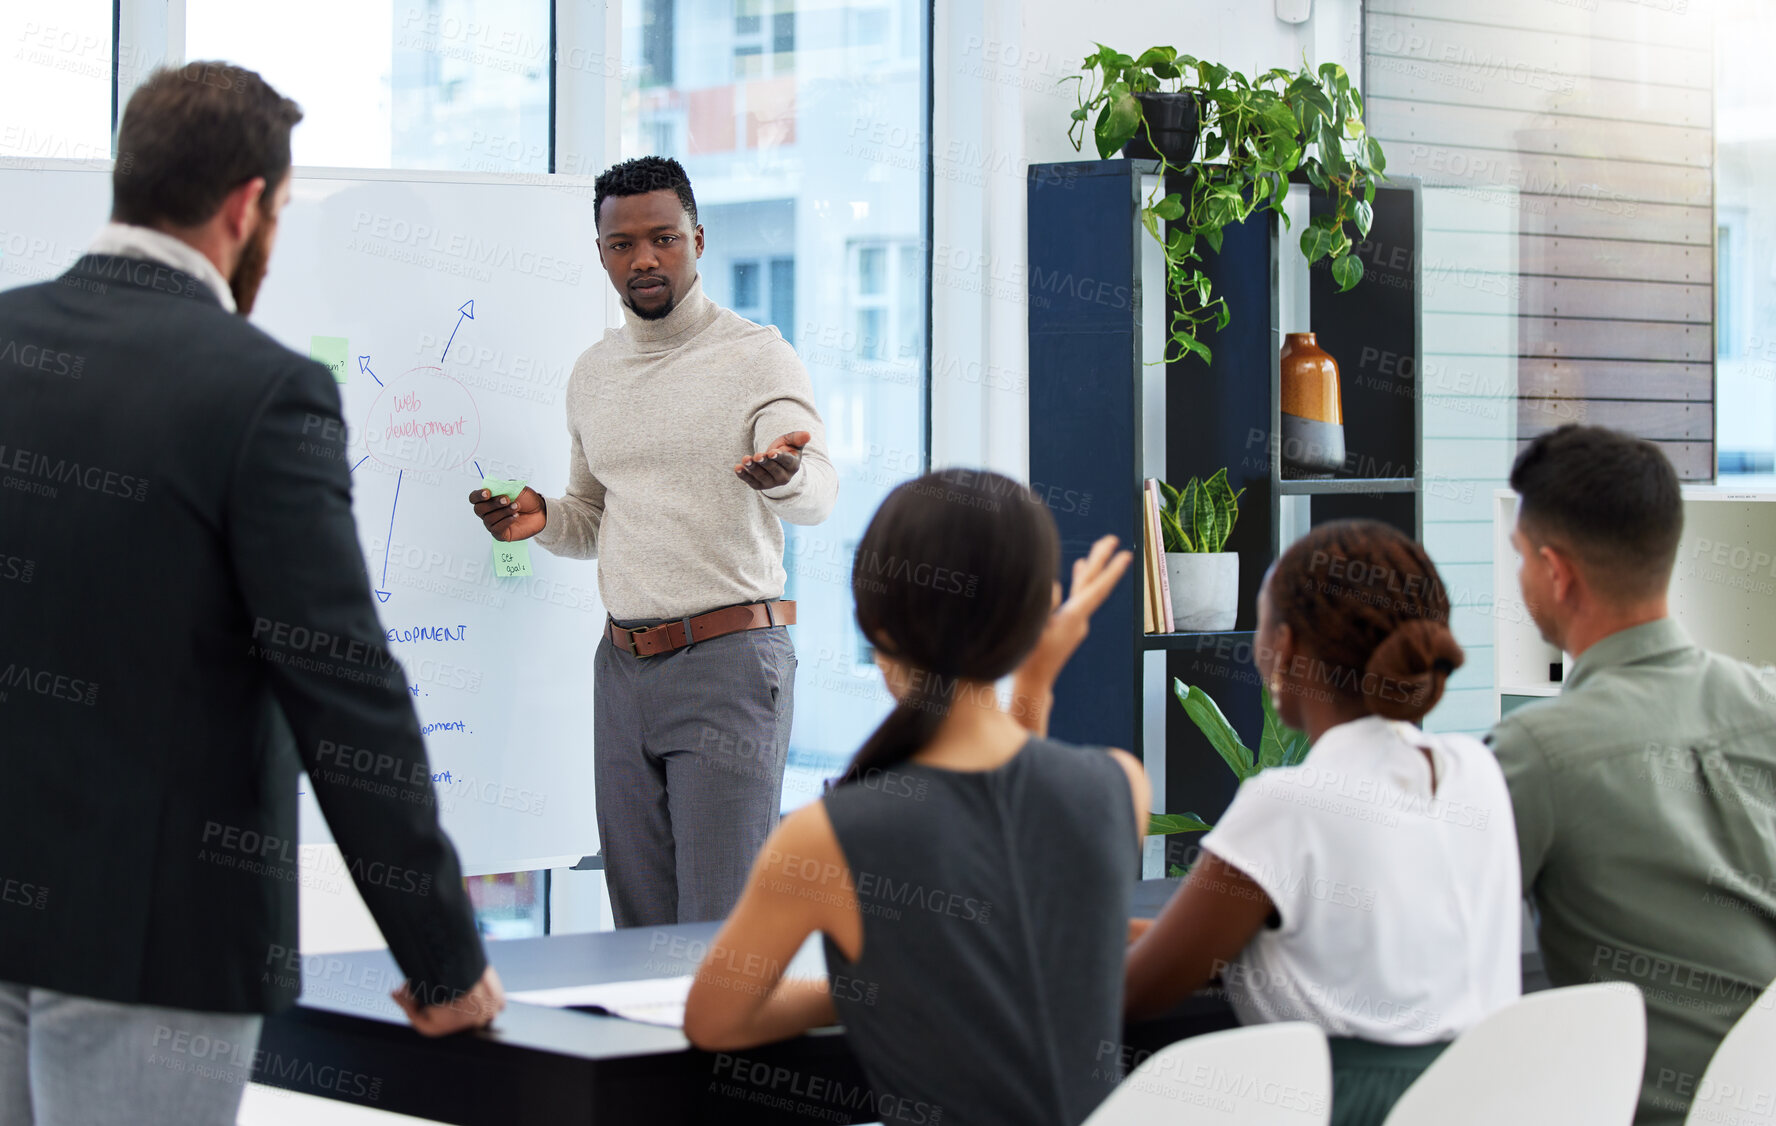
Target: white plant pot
[(1205, 590)]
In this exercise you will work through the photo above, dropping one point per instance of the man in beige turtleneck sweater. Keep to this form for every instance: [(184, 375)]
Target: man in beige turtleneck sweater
[(694, 435)]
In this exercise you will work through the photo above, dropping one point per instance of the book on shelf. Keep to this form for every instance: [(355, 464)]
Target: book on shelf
[(1156, 504), (1150, 617), (1147, 603)]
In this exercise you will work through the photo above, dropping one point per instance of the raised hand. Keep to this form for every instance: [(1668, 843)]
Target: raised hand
[(510, 518), (1095, 575)]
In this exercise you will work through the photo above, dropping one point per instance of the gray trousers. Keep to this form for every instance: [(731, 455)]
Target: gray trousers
[(74, 1061), (688, 754)]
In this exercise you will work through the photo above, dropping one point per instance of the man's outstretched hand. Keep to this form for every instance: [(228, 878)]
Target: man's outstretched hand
[(510, 518), (776, 465)]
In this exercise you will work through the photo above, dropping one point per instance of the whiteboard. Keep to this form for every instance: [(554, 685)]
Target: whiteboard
[(462, 302)]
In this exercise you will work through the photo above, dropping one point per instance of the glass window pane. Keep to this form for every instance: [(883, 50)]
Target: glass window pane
[(783, 296), (805, 145), (746, 285), (55, 83), (870, 267), (1745, 244), (872, 331), (461, 85)]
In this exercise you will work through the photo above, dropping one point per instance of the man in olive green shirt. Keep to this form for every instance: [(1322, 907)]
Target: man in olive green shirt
[(1645, 793)]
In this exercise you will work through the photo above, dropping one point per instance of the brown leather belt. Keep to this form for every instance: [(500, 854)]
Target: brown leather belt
[(650, 641)]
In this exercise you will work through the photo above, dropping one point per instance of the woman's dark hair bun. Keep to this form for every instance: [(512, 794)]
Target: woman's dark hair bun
[(1405, 675)]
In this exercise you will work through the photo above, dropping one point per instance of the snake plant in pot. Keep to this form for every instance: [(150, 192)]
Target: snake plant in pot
[(1253, 135), (1195, 522)]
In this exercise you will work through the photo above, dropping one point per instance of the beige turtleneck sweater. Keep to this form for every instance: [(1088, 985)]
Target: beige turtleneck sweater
[(661, 412)]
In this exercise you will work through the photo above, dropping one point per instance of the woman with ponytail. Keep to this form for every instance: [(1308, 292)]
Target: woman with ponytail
[(1372, 889), (970, 876)]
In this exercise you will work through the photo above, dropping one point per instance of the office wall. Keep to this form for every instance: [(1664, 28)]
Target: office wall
[(1000, 105), (1566, 151)]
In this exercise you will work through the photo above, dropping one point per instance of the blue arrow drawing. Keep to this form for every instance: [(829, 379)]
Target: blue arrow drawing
[(467, 310), (364, 367), (383, 595)]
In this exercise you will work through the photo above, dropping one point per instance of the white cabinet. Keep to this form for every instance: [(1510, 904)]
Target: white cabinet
[(1723, 589)]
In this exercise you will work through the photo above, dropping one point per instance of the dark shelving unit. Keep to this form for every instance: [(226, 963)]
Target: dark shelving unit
[(1088, 411)]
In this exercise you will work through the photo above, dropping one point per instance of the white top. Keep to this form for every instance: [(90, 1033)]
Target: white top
[(128, 241), (660, 412), (1401, 916)]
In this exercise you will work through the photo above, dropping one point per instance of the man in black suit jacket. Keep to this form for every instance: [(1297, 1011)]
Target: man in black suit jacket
[(185, 621)]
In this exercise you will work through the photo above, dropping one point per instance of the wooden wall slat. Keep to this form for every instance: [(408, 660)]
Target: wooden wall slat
[(1677, 22), (1694, 461), (1569, 338), (1614, 379), (1611, 258), (1585, 96), (1541, 57), (1659, 421), (1609, 218), (1539, 174), (1621, 300), (1490, 127)]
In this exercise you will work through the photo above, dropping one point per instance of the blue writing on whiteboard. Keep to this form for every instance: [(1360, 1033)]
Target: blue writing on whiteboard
[(381, 594), (428, 633), (467, 310)]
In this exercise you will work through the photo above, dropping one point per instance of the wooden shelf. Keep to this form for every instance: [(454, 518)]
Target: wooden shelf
[(1328, 486)]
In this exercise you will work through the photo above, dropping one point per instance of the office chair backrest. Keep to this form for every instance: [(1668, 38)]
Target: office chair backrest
[(1741, 1077), (1261, 1075), (1570, 1056)]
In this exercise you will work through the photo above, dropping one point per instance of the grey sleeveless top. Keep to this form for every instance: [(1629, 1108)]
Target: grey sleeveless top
[(995, 912)]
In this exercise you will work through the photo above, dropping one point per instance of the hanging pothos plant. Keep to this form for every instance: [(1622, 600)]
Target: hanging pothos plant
[(1254, 134)]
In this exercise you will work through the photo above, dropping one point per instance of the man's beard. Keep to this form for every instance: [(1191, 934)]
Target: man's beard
[(255, 259), (654, 314)]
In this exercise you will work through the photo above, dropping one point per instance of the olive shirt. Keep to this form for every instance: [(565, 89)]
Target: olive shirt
[(1645, 798)]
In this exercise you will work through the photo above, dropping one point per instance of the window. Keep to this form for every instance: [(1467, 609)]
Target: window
[(55, 85), (1745, 248), (764, 38), (746, 285), (461, 85), (656, 42), (887, 299), (810, 229)]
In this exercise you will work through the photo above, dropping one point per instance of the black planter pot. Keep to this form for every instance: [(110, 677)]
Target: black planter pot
[(1173, 121)]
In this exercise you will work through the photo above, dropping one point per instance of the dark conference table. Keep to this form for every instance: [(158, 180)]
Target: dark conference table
[(346, 1040)]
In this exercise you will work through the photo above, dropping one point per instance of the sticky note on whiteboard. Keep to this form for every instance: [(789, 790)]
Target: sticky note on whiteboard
[(330, 350), (510, 560)]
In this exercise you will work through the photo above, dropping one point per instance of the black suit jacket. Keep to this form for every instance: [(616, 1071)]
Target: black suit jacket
[(185, 618)]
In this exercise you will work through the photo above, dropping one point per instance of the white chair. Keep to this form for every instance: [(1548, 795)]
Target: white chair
[(1260, 1075), (1565, 1057), (1738, 1085)]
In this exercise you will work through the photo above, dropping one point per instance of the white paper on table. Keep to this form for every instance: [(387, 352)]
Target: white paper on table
[(654, 1000)]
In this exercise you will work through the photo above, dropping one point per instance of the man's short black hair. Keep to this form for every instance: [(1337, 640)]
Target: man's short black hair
[(1610, 498), (192, 134), (642, 175)]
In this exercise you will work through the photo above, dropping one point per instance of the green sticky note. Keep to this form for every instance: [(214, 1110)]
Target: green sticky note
[(510, 560), (330, 350)]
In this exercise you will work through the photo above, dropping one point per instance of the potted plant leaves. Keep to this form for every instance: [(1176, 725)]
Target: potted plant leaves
[(1195, 523), (1279, 745), (1255, 133)]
